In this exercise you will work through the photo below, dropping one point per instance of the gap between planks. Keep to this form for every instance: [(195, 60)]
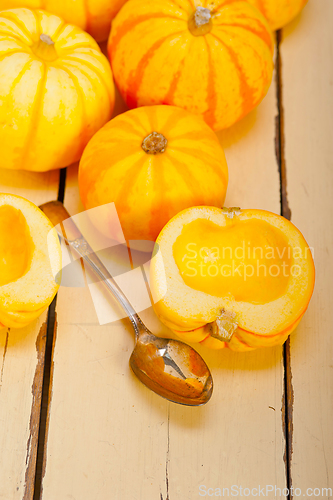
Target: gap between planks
[(46, 390), (288, 395), (287, 403)]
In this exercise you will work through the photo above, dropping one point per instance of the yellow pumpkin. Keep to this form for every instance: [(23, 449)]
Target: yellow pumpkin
[(30, 258), (93, 16), (233, 278), (151, 162), (279, 12), (213, 59), (56, 90)]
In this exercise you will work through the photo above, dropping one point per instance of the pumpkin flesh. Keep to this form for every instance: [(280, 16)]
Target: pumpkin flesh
[(216, 259), (16, 245), (237, 278), (30, 258)]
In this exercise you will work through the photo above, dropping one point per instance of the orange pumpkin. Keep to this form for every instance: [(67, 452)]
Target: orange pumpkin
[(240, 279), (93, 16), (215, 59), (279, 12), (152, 162), (56, 90)]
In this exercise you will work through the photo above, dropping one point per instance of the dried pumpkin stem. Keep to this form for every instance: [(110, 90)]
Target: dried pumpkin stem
[(224, 326), (231, 212), (154, 143), (45, 49), (200, 23), (202, 16)]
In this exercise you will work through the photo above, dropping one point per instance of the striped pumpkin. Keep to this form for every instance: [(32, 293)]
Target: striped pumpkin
[(214, 59), (152, 162), (56, 90), (93, 16), (279, 12)]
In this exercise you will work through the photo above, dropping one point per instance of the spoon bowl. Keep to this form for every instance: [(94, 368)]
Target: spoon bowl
[(172, 369), (168, 367)]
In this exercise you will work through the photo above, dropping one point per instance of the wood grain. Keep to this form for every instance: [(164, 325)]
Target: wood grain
[(109, 437), (307, 74), (22, 363), (237, 439)]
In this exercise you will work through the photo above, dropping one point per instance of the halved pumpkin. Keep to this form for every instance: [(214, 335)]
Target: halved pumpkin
[(30, 257), (231, 278)]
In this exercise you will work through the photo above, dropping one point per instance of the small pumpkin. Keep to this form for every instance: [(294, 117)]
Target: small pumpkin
[(152, 162), (213, 59), (30, 257), (93, 16), (279, 12), (231, 278), (56, 90)]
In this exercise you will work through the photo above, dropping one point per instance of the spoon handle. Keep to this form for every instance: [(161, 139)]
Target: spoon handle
[(57, 213)]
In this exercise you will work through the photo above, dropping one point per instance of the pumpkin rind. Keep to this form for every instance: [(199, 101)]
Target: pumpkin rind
[(25, 297), (191, 312), (55, 96), (93, 16), (149, 189), (222, 74), (279, 12)]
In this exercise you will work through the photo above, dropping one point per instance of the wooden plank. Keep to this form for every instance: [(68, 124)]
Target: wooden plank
[(110, 437), (237, 439), (307, 72), (22, 363), (107, 433)]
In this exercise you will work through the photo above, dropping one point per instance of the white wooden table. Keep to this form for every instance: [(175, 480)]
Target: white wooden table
[(102, 435)]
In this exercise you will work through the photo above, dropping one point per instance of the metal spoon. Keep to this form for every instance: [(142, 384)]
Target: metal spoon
[(168, 367)]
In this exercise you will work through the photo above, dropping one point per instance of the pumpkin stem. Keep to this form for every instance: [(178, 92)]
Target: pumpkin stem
[(224, 326), (200, 23), (231, 212), (154, 143), (45, 49)]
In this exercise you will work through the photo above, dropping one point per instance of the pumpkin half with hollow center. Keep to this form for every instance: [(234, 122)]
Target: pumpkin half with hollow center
[(231, 278), (212, 58), (30, 257)]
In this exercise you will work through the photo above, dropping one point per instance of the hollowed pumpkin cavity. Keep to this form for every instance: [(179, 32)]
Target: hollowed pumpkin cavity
[(249, 260), (30, 257), (231, 278), (16, 245)]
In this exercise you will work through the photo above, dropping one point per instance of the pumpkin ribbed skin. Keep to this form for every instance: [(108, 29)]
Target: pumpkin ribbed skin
[(279, 12), (54, 96), (149, 189), (222, 74), (93, 16)]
